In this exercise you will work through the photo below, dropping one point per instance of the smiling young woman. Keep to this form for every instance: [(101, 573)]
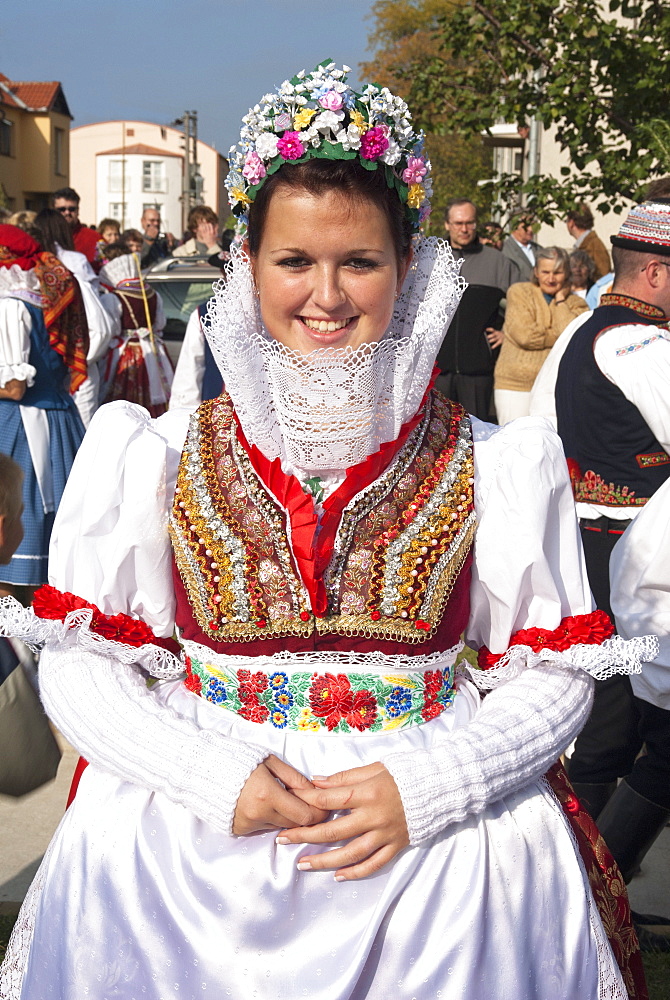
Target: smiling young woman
[(321, 568)]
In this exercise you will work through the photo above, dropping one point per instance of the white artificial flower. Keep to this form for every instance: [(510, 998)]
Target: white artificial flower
[(346, 69), (392, 154), (266, 145), (327, 120), (301, 74), (350, 138)]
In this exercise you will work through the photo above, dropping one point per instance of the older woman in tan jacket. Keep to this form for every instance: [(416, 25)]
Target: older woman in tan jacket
[(537, 313)]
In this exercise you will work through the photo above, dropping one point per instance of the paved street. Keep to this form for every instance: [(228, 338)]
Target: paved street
[(27, 825)]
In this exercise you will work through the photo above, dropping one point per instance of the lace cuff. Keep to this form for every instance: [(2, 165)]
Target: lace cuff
[(66, 621), (581, 642), (21, 371)]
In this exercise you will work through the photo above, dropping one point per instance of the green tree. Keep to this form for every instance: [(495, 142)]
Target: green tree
[(598, 73), (405, 36)]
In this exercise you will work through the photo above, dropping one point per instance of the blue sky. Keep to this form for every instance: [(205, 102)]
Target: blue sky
[(153, 59)]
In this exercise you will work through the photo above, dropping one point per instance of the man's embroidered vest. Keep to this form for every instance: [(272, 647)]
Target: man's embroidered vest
[(388, 569), (613, 456)]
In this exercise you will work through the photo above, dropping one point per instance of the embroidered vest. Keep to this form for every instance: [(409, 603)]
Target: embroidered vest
[(613, 456), (398, 576), (134, 315)]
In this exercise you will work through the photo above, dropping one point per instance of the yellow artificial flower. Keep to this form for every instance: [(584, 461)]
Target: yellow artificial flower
[(416, 196), (360, 122), (239, 195), (303, 118)]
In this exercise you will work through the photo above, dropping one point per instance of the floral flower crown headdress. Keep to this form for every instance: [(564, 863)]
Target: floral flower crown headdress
[(319, 115)]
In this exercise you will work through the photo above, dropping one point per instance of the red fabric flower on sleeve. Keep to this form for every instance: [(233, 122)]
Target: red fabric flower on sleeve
[(55, 605), (589, 630)]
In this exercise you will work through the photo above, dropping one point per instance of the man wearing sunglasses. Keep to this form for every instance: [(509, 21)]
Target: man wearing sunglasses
[(66, 201)]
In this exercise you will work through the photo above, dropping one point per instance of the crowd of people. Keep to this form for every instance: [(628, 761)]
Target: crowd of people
[(254, 611)]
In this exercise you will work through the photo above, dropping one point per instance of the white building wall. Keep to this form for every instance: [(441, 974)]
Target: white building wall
[(87, 141), (116, 187)]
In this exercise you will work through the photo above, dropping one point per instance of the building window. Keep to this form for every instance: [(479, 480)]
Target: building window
[(115, 179), (5, 137), (153, 175), (59, 151), (117, 210)]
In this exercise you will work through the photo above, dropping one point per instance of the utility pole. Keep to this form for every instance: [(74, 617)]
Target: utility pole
[(191, 185), (186, 180)]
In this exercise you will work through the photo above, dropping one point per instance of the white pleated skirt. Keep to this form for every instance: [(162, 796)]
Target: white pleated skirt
[(139, 899)]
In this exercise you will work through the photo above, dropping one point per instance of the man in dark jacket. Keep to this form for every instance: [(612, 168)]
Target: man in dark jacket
[(468, 353)]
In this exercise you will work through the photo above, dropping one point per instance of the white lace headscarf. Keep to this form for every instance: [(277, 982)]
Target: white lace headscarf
[(330, 409)]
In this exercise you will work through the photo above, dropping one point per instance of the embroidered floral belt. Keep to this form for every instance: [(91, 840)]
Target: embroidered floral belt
[(322, 701)]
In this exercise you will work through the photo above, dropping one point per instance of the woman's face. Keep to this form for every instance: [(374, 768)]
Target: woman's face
[(579, 274), (326, 270), (549, 280)]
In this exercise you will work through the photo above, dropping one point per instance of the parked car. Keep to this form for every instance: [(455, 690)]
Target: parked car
[(183, 284)]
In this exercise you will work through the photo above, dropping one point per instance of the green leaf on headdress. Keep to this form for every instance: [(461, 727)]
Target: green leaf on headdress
[(368, 164)]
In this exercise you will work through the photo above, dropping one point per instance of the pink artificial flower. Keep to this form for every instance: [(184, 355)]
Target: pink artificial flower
[(290, 146), (415, 171), (331, 101), (374, 143), (253, 168)]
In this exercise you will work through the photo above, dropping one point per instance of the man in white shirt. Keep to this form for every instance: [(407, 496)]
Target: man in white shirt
[(520, 247)]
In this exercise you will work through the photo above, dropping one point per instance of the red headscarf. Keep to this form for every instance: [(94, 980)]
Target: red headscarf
[(62, 302)]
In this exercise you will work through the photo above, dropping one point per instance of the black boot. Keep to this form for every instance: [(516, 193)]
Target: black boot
[(594, 797), (630, 824)]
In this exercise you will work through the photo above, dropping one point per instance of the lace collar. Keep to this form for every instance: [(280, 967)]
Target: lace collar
[(329, 410), (16, 283)]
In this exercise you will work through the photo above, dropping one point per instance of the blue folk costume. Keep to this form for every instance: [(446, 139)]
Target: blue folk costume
[(43, 343)]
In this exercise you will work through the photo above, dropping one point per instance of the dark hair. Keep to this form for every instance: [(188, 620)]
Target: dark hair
[(658, 189), (628, 262), (68, 193), (582, 217), (131, 234), (108, 224), (114, 250), (53, 229), (201, 213), (455, 202), (319, 176), (11, 480)]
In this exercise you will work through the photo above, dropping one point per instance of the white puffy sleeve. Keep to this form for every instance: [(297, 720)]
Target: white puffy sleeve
[(529, 568), (15, 342), (187, 383), (640, 595), (110, 542), (528, 572), (110, 546)]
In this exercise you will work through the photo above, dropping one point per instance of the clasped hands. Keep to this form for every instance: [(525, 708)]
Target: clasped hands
[(278, 797)]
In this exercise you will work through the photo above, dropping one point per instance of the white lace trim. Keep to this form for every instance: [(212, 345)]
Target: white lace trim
[(16, 283), (330, 409), (614, 656), (375, 662), (14, 964), (21, 371), (22, 623)]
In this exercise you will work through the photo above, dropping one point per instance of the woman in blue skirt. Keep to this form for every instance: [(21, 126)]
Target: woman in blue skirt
[(43, 345)]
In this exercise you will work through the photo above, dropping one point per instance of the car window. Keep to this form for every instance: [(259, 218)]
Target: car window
[(180, 298)]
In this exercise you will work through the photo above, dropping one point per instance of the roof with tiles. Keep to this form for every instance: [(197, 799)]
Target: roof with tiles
[(33, 96), (139, 148)]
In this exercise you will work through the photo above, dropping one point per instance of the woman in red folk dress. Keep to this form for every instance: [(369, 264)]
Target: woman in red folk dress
[(137, 367), (314, 800)]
